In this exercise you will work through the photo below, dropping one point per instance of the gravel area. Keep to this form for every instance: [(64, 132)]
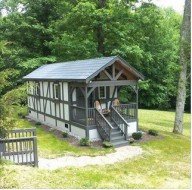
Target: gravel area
[(121, 153)]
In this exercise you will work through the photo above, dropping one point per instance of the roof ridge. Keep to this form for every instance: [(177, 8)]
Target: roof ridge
[(81, 60)]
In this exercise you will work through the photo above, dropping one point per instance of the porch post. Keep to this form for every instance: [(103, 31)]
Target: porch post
[(86, 106), (70, 102)]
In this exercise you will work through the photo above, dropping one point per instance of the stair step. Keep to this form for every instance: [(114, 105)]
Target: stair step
[(117, 139), (114, 125), (120, 143), (115, 134), (115, 129)]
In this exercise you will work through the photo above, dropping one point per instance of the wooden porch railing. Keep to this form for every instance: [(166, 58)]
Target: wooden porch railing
[(78, 114), (91, 116), (128, 111), (103, 126), (119, 121)]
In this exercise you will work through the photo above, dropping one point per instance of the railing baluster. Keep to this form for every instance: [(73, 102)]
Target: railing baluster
[(120, 121), (103, 126)]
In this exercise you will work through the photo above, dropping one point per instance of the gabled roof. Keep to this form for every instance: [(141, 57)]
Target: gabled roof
[(81, 70)]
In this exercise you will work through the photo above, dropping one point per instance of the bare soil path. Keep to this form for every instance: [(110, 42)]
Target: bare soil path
[(120, 154)]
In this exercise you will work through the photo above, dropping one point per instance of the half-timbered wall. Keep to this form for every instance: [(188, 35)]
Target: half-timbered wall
[(44, 107)]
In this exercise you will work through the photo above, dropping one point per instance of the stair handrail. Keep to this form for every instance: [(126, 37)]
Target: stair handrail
[(108, 125), (124, 121)]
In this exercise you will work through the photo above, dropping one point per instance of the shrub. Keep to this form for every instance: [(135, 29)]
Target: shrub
[(6, 122), (137, 135), (16, 96), (65, 134), (21, 115), (107, 144), (85, 142), (131, 140), (153, 132), (38, 123)]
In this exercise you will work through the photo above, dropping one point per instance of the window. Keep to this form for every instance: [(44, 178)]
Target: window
[(56, 91), (37, 89), (102, 92)]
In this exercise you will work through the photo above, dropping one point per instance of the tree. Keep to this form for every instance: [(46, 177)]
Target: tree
[(184, 62), (151, 44), (48, 31)]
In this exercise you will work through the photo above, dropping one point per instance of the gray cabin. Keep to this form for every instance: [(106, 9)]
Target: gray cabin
[(81, 98)]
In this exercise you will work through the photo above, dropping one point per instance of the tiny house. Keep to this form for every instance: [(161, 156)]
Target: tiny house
[(81, 98)]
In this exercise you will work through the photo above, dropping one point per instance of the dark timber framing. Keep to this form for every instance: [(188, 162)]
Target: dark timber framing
[(43, 98)]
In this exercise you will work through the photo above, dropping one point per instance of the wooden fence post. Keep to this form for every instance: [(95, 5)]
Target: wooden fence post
[(35, 151)]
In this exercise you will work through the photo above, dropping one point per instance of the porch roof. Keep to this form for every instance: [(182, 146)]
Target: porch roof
[(81, 70)]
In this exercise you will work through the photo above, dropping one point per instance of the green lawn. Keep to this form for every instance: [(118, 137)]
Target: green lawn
[(165, 163), (162, 120), (49, 146)]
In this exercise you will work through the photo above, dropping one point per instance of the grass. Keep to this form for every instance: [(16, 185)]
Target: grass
[(49, 146), (164, 164), (162, 120)]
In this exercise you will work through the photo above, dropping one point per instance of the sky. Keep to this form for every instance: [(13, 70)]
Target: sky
[(177, 5)]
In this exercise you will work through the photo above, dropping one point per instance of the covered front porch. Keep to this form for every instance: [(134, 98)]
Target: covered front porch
[(98, 103), (112, 111)]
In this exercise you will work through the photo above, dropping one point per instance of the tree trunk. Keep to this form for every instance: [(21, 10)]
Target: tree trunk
[(100, 39), (100, 35), (184, 61)]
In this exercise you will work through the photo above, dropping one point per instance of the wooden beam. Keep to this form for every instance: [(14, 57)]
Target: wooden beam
[(119, 74), (115, 88), (113, 71), (108, 75), (112, 83), (82, 90), (90, 91), (77, 84), (71, 90)]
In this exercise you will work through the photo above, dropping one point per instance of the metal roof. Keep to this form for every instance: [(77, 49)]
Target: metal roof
[(75, 70)]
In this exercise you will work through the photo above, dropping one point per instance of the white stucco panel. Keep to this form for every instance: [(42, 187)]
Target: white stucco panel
[(94, 135), (58, 109), (53, 108), (41, 117), (42, 105), (47, 110), (78, 132), (33, 114), (132, 128), (65, 85), (66, 107), (50, 121), (45, 86)]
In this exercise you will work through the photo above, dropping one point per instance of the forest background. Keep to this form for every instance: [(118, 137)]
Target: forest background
[(33, 33)]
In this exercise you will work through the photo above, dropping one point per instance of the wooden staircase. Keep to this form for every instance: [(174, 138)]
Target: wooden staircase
[(113, 128), (117, 137)]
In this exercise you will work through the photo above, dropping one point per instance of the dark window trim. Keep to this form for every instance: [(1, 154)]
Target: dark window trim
[(54, 91), (37, 89), (105, 92)]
